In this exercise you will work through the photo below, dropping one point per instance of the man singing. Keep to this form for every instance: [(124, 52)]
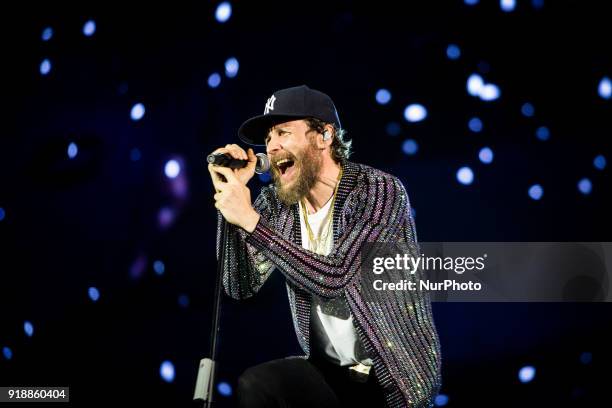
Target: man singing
[(364, 348)]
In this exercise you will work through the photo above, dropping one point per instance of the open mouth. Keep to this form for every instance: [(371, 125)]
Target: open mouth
[(285, 167)]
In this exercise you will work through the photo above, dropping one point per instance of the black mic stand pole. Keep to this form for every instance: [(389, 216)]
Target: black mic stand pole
[(205, 384)]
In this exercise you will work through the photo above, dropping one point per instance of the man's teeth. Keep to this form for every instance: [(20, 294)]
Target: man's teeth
[(282, 161)]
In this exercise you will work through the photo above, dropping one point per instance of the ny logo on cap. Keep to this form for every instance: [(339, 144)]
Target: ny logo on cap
[(270, 104)]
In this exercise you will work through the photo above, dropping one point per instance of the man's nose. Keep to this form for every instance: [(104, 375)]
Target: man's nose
[(273, 146)]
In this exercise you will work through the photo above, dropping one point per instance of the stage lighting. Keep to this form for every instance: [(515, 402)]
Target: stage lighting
[(599, 162), (543, 133), (605, 88), (89, 28), (265, 177), (474, 84), (138, 111), (410, 147), (470, 2), (224, 389), (527, 109), (214, 80), (172, 168), (94, 293), (7, 352), (393, 128), (231, 67), (45, 66), (166, 371), (415, 113), (223, 12), (2, 214), (507, 5), (135, 154), (453, 52), (28, 328), (526, 374), (586, 357), (183, 301), (159, 267), (383, 96), (465, 175), (536, 192), (585, 186), (489, 92), (47, 34), (441, 400), (475, 125), (73, 150), (485, 155)]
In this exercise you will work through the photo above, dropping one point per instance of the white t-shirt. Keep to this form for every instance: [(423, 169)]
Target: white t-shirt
[(333, 332)]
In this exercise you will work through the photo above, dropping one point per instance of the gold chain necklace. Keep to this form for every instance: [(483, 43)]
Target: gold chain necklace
[(316, 244)]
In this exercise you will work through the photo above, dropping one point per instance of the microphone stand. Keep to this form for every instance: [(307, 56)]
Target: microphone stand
[(205, 383)]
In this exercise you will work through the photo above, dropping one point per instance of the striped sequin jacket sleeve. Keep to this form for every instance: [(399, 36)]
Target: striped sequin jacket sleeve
[(381, 210), (245, 269)]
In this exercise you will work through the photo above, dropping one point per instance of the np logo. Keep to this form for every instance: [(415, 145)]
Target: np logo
[(270, 105)]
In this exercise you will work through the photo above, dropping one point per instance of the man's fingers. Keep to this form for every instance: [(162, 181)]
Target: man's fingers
[(227, 173), (215, 175), (236, 151)]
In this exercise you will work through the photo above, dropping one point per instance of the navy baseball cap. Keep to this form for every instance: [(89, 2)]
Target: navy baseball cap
[(286, 105)]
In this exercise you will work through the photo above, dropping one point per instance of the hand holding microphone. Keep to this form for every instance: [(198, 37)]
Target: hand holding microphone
[(244, 164)]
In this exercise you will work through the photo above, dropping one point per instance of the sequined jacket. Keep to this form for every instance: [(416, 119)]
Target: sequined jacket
[(396, 328)]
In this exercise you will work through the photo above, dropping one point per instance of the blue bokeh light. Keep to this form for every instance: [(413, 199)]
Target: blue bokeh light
[(485, 155), (599, 162), (465, 175), (475, 125), (159, 267), (489, 92), (183, 300), (410, 147), (605, 88), (45, 66), (93, 293), (231, 67), (137, 112), (527, 374), (172, 169), (393, 129), (223, 12), (7, 352), (527, 109), (383, 96), (47, 34), (507, 5), (214, 80), (586, 357), (453, 51), (73, 150), (585, 186), (224, 389), (89, 28), (265, 177), (2, 214), (543, 133), (135, 154), (415, 112), (441, 400), (536, 192), (166, 371), (28, 328)]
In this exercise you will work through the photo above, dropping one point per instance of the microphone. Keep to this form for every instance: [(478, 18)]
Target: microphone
[(226, 160)]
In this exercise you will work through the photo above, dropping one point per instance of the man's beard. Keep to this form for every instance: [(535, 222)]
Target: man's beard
[(307, 166)]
